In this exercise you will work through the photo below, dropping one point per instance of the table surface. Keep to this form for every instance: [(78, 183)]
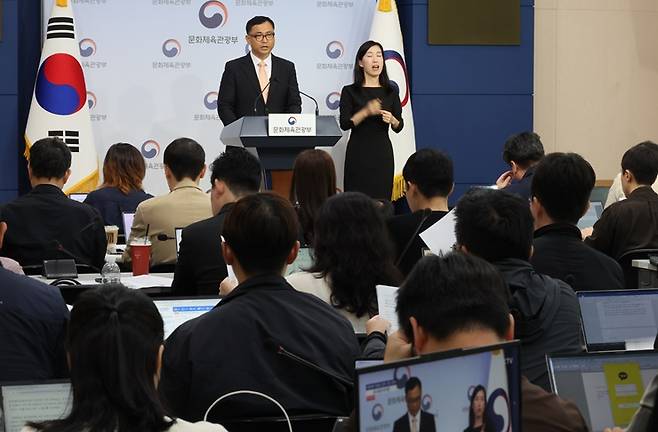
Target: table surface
[(90, 278)]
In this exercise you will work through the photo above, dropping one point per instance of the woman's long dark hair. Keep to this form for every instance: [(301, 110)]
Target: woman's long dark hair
[(113, 341), (352, 247), (123, 168), (471, 415), (313, 181), (359, 75)]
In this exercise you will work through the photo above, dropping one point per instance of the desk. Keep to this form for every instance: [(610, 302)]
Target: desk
[(647, 273), (153, 285)]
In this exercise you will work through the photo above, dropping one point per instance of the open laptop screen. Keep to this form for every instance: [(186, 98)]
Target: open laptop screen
[(176, 311), (79, 197), (178, 233), (127, 223), (593, 214), (447, 383), (33, 402), (606, 387), (619, 318)]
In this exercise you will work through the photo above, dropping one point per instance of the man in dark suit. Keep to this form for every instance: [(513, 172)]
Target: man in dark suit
[(245, 79), (45, 222), (415, 419), (201, 267), (521, 152), (561, 188)]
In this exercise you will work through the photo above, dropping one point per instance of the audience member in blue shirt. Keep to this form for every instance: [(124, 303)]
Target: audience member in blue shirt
[(121, 191)]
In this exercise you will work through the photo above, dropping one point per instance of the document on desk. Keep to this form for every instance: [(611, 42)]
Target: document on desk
[(440, 237), (387, 299), (146, 281)]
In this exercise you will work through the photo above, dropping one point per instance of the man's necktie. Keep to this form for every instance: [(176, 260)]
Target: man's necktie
[(262, 79)]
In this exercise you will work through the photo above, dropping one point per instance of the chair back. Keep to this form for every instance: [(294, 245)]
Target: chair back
[(626, 263)]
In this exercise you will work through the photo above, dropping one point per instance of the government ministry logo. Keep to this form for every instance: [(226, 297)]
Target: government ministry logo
[(171, 48), (213, 14), (150, 149), (377, 412), (91, 100), (210, 100), (87, 47), (333, 100), (292, 120), (335, 50)]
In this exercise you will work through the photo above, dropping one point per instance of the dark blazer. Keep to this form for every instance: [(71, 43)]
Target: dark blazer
[(40, 219), (33, 319), (233, 347), (402, 228), (627, 225), (111, 202), (200, 266), (240, 88), (560, 253), (427, 423)]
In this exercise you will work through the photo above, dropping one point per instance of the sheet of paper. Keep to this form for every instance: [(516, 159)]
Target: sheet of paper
[(387, 298), (146, 281), (440, 237)]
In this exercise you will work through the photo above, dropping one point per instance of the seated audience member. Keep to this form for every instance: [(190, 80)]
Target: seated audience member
[(645, 418), (33, 319), (114, 346), (313, 181), (352, 255), (497, 226), (521, 152), (201, 267), (428, 178), (235, 346), (121, 191), (184, 161), (561, 188), (7, 263), (632, 223), (616, 193), (45, 222), (460, 301)]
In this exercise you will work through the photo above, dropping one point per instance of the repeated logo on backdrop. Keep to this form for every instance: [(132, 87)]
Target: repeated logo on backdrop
[(171, 48), (213, 14), (91, 100), (499, 410), (335, 50), (150, 149), (377, 412), (87, 47), (333, 101), (210, 100)]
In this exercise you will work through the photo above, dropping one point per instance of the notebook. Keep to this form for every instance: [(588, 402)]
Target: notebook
[(447, 382), (607, 387)]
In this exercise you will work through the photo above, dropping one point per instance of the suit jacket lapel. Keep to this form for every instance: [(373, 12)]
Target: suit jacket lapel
[(250, 72)]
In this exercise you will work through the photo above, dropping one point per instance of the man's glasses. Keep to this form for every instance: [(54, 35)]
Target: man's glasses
[(263, 36)]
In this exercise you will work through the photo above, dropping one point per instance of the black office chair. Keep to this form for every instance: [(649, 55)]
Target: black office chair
[(631, 273)]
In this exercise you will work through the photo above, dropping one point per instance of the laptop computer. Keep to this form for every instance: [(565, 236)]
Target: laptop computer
[(79, 197), (23, 402), (619, 319), (128, 219), (177, 310), (447, 382), (178, 233), (607, 387), (592, 215)]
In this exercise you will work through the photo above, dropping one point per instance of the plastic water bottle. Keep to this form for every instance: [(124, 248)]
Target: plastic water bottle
[(111, 273)]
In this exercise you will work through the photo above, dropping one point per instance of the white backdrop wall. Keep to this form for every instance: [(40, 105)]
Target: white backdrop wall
[(153, 66)]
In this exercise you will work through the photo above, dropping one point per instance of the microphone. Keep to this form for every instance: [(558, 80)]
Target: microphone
[(317, 107), (165, 237), (260, 94), (427, 212), (274, 346), (77, 259)]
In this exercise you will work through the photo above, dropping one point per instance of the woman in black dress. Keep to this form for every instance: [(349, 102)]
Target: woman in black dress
[(368, 107), (476, 413)]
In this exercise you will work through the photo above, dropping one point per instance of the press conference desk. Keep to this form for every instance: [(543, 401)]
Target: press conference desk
[(153, 285), (647, 273)]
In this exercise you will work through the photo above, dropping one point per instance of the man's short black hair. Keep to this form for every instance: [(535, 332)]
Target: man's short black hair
[(256, 21), (562, 183), (411, 384), (494, 224), (524, 149), (239, 169), (261, 229), (642, 161), (50, 158), (431, 171), (185, 158), (455, 292)]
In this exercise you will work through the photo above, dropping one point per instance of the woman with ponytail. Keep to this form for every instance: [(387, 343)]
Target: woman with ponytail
[(114, 347)]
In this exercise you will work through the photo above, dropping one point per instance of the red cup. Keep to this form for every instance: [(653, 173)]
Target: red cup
[(140, 254)]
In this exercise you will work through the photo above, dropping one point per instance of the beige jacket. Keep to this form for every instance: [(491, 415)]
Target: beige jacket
[(184, 205)]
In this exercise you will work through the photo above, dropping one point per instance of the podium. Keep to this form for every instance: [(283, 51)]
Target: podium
[(278, 152)]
